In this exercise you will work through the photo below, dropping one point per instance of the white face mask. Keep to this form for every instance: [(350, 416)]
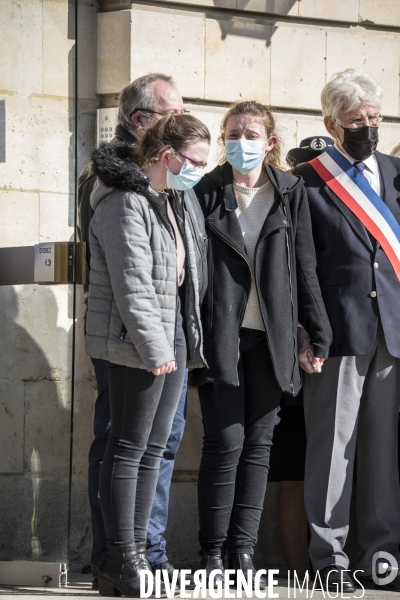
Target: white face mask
[(244, 155), (187, 178)]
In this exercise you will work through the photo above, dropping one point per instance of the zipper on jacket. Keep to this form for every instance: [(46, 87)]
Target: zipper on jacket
[(172, 233), (291, 299), (123, 334), (291, 296), (243, 309), (261, 310), (188, 271), (198, 249)]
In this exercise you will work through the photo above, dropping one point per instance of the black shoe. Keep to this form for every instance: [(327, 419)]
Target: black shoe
[(167, 566), (95, 582), (120, 572), (393, 585), (333, 578), (244, 562), (142, 553), (210, 562)]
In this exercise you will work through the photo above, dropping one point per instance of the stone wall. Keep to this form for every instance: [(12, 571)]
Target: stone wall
[(37, 205), (279, 52)]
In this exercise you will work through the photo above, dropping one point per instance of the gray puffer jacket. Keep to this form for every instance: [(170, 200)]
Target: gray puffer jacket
[(133, 287)]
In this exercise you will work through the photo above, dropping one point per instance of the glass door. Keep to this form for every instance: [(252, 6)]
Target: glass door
[(37, 196)]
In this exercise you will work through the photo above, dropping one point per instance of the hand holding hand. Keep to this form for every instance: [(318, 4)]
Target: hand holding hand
[(165, 369), (307, 361)]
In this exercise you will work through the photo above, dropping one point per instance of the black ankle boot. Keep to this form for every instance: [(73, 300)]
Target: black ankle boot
[(244, 562), (120, 571), (142, 552), (209, 562)]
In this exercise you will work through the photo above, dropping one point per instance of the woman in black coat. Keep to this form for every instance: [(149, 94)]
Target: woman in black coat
[(262, 282)]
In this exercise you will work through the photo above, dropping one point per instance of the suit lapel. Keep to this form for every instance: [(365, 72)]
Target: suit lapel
[(351, 218)]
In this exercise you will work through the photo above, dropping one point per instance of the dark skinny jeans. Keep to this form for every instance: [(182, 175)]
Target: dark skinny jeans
[(238, 427), (142, 410)]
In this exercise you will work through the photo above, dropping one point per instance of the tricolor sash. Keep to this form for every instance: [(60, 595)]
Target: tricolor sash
[(352, 188)]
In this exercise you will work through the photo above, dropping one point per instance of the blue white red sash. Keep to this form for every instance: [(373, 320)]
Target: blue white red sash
[(352, 188)]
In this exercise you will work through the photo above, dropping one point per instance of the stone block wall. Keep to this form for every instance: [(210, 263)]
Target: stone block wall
[(37, 204), (278, 52)]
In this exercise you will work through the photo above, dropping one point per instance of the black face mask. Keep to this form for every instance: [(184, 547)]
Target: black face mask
[(360, 143)]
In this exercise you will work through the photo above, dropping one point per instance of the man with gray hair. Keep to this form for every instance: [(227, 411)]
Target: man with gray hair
[(353, 403), (141, 104)]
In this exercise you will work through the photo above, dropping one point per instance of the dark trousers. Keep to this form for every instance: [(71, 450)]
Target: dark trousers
[(142, 411), (98, 449), (101, 430), (156, 544), (238, 427)]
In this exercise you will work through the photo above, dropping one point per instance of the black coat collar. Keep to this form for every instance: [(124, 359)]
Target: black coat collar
[(223, 219), (222, 177)]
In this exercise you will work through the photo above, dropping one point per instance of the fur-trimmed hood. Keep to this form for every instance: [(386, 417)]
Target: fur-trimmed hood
[(115, 169)]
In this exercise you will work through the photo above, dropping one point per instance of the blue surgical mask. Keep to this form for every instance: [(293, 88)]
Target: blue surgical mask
[(186, 179), (244, 155)]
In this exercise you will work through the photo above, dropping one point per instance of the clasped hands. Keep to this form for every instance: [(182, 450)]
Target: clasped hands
[(307, 361)]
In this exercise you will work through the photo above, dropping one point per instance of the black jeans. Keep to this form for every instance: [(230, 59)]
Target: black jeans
[(101, 430), (238, 427), (142, 411), (156, 544)]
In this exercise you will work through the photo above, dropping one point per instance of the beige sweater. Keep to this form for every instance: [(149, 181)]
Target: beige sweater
[(254, 205)]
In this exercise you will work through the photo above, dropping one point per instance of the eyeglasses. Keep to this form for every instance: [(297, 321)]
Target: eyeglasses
[(162, 114), (198, 166), (373, 121)]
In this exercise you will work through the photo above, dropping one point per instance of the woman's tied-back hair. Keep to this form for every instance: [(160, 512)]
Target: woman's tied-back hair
[(173, 132), (349, 90), (264, 114)]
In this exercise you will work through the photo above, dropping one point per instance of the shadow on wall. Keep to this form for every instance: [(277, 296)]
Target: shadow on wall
[(233, 27), (396, 151), (34, 426)]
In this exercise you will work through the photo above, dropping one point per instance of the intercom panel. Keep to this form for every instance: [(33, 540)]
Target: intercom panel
[(107, 120)]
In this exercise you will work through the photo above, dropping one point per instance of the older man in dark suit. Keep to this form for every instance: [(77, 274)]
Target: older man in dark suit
[(354, 195)]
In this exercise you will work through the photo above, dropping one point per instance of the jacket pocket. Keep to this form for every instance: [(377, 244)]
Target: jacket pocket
[(332, 300)]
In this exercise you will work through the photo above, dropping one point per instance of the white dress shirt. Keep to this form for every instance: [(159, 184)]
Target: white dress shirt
[(371, 171)]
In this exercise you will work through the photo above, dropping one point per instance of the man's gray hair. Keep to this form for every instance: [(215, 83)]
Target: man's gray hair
[(349, 90), (137, 94)]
